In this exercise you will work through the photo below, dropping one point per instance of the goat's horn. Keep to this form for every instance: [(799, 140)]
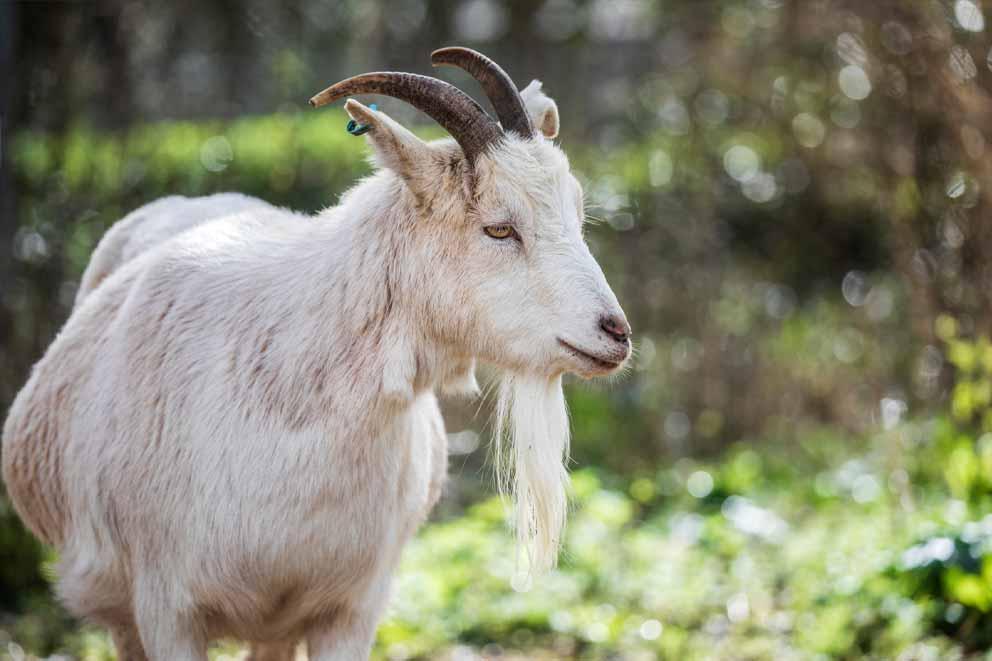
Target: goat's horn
[(497, 85), (457, 112)]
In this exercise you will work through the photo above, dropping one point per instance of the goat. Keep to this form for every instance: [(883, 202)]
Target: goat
[(236, 432)]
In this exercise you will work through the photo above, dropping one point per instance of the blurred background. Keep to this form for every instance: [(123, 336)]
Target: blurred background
[(792, 203)]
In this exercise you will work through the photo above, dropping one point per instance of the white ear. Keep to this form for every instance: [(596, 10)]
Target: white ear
[(542, 109), (394, 146)]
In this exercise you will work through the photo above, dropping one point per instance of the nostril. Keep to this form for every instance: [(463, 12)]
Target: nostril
[(616, 327)]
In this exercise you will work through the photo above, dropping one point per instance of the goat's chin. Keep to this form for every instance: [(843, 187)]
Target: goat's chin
[(595, 371), (531, 450), (591, 363)]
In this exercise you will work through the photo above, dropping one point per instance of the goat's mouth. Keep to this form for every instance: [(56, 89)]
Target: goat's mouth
[(598, 363)]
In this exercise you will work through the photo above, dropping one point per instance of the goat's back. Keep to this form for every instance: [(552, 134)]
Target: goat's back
[(155, 223)]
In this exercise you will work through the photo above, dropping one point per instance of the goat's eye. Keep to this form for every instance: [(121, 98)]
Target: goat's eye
[(499, 231)]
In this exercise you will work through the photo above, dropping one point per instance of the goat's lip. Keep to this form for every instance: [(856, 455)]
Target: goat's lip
[(601, 364)]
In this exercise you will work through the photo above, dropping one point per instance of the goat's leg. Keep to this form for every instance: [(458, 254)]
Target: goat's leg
[(127, 642), (169, 632), (347, 636), (282, 651), (169, 638)]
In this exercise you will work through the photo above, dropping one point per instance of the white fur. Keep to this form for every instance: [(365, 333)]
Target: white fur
[(531, 416), (236, 431), (156, 222)]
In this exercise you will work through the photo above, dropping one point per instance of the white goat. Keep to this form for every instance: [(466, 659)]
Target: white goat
[(236, 431)]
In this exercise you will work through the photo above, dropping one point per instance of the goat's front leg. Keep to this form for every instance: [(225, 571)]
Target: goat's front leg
[(168, 632), (170, 640), (346, 636)]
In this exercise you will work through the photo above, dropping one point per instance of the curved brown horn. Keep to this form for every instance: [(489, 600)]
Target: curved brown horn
[(497, 85), (457, 112)]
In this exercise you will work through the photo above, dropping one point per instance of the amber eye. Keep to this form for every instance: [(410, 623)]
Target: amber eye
[(499, 231)]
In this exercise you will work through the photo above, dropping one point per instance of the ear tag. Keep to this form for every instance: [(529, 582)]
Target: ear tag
[(355, 128)]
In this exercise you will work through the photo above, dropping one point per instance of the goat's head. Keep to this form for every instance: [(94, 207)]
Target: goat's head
[(522, 290), (500, 224)]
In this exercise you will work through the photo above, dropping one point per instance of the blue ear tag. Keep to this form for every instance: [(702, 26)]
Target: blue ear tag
[(355, 128)]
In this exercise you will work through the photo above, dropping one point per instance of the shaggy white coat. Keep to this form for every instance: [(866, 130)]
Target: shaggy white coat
[(236, 431)]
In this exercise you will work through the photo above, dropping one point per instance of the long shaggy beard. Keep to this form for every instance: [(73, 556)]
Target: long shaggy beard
[(532, 437)]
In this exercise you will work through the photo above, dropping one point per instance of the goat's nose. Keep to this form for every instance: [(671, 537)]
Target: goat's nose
[(615, 326)]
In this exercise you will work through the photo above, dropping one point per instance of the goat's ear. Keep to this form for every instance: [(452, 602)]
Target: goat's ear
[(394, 146), (542, 109)]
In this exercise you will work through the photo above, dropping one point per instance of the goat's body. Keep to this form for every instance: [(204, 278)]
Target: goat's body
[(236, 431), (193, 445)]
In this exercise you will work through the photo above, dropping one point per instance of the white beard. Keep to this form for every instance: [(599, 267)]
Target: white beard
[(531, 432)]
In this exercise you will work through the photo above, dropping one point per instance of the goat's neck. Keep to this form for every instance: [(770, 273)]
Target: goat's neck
[(367, 331)]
